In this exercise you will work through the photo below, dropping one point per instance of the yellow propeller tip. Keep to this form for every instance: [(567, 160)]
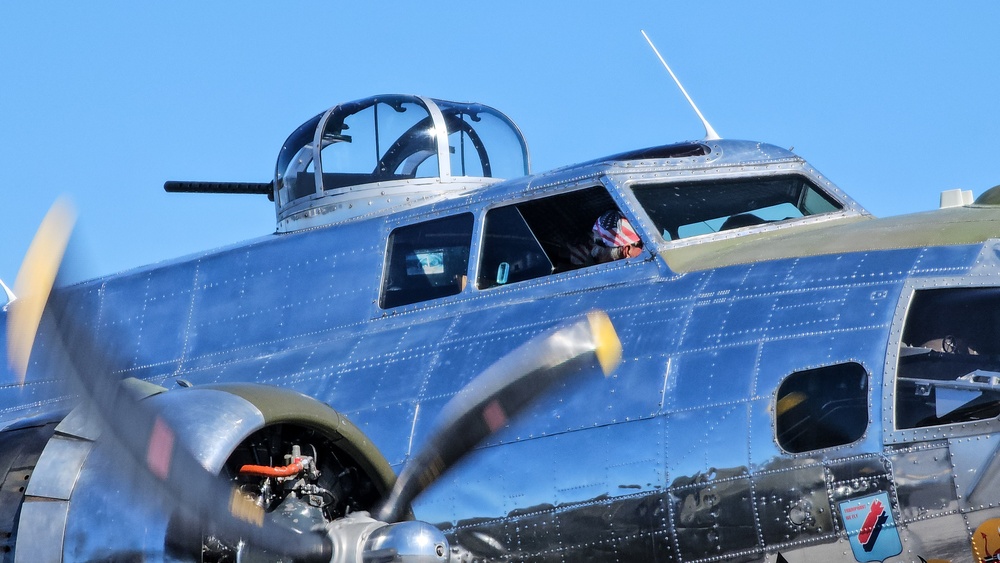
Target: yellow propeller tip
[(608, 347), (34, 283)]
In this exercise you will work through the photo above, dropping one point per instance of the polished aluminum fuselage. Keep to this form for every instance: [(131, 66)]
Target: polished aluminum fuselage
[(671, 458)]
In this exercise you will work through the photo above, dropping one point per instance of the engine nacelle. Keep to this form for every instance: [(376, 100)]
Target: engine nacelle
[(85, 501)]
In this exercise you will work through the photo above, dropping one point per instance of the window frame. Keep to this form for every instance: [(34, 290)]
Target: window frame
[(391, 263), (713, 194), (891, 434), (560, 191), (628, 182), (823, 375)]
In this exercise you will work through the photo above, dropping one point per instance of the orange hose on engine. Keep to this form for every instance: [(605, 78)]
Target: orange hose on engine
[(266, 471)]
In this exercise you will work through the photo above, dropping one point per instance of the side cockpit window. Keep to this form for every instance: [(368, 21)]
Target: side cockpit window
[(949, 358), (511, 252), (686, 209), (545, 236), (427, 260)]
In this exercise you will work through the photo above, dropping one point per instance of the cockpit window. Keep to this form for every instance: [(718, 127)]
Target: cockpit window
[(539, 237), (949, 358), (427, 261), (511, 252), (687, 209)]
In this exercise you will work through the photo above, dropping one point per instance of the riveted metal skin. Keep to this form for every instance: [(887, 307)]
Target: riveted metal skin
[(673, 457)]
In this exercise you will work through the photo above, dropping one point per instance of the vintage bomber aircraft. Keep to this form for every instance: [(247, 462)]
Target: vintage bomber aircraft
[(800, 381)]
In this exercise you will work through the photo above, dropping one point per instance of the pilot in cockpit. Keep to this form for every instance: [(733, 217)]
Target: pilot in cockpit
[(950, 344), (944, 330), (611, 238)]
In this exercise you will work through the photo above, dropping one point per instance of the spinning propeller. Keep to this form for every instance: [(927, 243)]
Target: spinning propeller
[(477, 411)]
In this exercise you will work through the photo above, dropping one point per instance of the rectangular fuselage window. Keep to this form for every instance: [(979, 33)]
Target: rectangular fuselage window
[(427, 261), (949, 358)]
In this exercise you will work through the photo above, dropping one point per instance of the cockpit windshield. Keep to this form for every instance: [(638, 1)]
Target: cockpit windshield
[(686, 209)]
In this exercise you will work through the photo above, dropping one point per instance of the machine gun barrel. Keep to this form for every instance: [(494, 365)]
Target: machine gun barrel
[(261, 188)]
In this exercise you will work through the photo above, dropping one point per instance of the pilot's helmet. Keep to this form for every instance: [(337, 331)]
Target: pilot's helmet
[(613, 230)]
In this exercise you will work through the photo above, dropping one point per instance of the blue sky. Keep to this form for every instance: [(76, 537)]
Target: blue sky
[(104, 101)]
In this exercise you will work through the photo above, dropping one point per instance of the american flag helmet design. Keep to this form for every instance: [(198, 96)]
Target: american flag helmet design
[(612, 230)]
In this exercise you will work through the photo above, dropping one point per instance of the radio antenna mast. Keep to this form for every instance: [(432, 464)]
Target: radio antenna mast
[(710, 134)]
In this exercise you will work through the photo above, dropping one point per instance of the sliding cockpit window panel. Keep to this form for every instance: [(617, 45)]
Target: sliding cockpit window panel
[(427, 260), (542, 236), (948, 363), (684, 209), (822, 408), (510, 250)]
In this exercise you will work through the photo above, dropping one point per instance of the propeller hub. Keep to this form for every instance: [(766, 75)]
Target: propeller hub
[(411, 541), (359, 538)]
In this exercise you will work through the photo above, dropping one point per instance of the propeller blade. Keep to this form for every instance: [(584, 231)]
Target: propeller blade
[(150, 442), (34, 282), (500, 393)]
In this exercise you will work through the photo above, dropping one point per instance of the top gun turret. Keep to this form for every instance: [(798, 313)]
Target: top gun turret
[(368, 156)]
